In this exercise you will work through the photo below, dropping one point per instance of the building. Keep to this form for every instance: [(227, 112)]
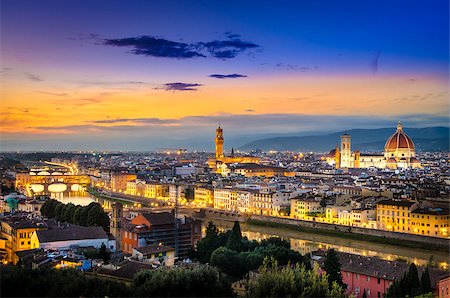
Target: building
[(71, 236), (399, 152), (305, 207), (119, 181), (430, 222), (374, 275), (156, 190), (204, 196), (156, 254), (220, 158), (395, 215), (17, 234), (159, 228)]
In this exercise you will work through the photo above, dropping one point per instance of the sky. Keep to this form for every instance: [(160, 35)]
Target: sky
[(143, 75)]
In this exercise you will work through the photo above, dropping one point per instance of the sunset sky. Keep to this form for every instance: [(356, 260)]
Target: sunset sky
[(141, 75)]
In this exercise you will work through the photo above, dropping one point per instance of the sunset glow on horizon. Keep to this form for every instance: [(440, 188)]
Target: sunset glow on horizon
[(81, 74)]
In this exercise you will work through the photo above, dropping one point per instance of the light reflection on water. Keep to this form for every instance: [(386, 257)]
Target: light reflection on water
[(300, 243)]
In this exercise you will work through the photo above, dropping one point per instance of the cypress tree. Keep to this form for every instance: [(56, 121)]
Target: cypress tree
[(235, 239), (412, 281), (425, 282), (333, 268)]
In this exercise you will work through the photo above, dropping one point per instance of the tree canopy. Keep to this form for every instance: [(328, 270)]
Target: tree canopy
[(292, 281), (90, 215)]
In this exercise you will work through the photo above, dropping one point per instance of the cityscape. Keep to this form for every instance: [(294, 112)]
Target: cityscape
[(224, 149)]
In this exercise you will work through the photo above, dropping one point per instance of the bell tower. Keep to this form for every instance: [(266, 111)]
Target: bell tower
[(346, 151), (219, 143)]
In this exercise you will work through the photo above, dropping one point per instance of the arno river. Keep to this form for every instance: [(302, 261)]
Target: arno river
[(307, 242)]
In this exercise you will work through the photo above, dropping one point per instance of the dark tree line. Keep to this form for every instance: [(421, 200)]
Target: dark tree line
[(90, 215), (200, 281), (409, 285)]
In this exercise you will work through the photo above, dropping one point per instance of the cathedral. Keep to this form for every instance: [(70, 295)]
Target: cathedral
[(399, 152), (220, 159)]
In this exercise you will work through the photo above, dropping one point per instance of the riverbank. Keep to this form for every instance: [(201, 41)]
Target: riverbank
[(353, 236), (99, 195), (354, 233)]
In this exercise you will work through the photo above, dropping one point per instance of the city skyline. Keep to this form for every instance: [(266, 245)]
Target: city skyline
[(149, 75)]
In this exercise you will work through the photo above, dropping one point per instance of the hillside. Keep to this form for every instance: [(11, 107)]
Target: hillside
[(425, 139)]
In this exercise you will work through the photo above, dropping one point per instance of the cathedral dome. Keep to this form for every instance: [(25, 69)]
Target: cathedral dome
[(399, 140)]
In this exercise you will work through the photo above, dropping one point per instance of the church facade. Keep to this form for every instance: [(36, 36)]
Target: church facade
[(399, 152)]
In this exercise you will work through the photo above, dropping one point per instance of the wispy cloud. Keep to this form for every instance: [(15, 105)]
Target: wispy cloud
[(178, 86), (227, 76), (62, 94), (33, 77), (154, 46)]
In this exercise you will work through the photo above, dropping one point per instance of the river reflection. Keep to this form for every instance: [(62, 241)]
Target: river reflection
[(308, 242)]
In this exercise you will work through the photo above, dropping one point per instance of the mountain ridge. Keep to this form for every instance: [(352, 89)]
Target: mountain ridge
[(426, 139)]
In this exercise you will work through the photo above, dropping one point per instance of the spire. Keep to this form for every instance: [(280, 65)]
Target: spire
[(399, 126)]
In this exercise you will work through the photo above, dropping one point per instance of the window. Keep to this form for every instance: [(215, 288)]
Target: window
[(357, 276), (378, 294), (379, 281), (368, 279)]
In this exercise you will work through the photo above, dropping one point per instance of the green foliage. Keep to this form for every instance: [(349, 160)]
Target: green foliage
[(229, 261), (200, 281), (208, 244), (425, 282), (333, 268), (91, 215), (236, 255), (409, 285), (234, 241), (103, 254), (20, 282), (292, 281)]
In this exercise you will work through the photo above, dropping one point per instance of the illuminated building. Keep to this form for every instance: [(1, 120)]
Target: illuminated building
[(399, 152), (119, 181), (18, 234), (220, 158), (204, 196), (301, 208), (395, 215), (430, 222)]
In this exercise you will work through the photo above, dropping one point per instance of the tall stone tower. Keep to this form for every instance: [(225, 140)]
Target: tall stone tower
[(116, 224), (346, 152), (219, 143)]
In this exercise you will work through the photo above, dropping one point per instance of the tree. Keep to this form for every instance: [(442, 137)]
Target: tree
[(364, 295), (208, 244), (234, 241), (68, 211), (228, 261), (58, 211), (425, 282), (292, 281), (333, 268), (76, 217), (199, 281), (103, 253), (412, 280), (98, 217)]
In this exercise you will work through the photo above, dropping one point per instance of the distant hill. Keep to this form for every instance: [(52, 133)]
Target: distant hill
[(425, 139)]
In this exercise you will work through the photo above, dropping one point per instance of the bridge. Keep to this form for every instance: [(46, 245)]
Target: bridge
[(46, 183)]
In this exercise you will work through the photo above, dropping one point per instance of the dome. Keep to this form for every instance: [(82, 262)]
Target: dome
[(399, 140)]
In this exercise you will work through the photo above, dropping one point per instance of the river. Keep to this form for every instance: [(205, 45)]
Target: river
[(307, 242), (303, 242)]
